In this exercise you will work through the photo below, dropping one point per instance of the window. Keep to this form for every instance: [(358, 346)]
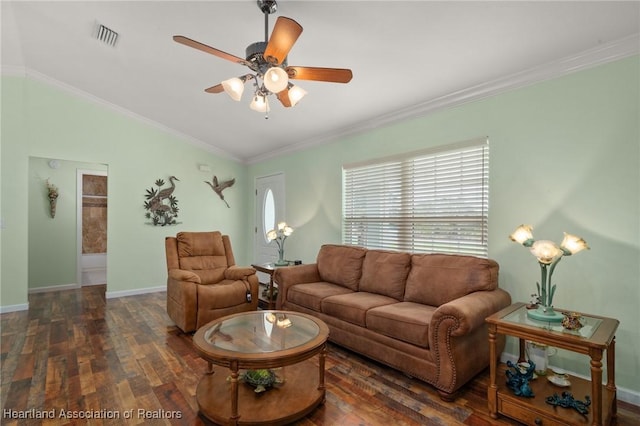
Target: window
[(432, 201)]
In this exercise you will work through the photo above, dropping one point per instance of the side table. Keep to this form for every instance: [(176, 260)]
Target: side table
[(593, 339), (268, 268)]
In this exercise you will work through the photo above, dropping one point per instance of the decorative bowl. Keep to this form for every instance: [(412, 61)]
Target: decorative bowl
[(572, 320)]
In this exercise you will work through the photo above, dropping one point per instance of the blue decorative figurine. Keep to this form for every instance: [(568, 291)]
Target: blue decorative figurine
[(518, 381)]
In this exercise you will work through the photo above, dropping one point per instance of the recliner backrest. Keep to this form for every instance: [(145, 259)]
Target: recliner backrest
[(207, 254)]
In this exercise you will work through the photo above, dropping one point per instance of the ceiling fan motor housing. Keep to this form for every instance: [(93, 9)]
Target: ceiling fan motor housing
[(255, 57)]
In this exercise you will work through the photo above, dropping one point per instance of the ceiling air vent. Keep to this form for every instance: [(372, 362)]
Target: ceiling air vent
[(106, 35)]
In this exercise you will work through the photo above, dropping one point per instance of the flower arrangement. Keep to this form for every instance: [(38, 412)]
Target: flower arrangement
[(548, 254), (53, 197), (279, 235)]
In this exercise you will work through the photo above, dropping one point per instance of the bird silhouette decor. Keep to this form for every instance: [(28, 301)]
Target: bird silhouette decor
[(218, 187), (161, 205)]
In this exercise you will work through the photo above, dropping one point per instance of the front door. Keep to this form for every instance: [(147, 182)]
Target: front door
[(270, 206)]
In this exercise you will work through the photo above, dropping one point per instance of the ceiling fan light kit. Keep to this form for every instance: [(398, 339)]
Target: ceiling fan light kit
[(268, 61)]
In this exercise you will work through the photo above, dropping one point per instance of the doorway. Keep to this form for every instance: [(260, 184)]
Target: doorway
[(91, 227)]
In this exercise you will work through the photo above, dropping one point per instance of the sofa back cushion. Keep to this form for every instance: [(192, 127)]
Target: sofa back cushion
[(385, 272), (201, 250), (340, 264), (436, 279)]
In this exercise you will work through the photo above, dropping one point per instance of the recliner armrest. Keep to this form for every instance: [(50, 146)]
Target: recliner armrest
[(182, 275), (238, 273)]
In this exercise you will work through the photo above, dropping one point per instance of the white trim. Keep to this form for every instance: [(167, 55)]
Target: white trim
[(53, 288), (608, 52), (125, 293), (14, 308), (623, 394)]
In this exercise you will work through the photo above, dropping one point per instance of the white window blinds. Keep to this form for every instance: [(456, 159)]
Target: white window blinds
[(426, 202)]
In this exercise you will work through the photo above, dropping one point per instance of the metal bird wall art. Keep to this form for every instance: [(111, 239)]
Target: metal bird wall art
[(161, 204), (218, 187)]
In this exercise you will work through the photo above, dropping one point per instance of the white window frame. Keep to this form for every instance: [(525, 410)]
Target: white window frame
[(430, 201)]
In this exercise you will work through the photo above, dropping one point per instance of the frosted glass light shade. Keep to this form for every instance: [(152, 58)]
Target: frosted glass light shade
[(234, 88), (573, 244), (260, 103), (276, 79), (295, 94)]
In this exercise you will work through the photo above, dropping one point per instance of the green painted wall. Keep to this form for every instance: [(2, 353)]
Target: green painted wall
[(42, 121), (53, 241), (565, 156)]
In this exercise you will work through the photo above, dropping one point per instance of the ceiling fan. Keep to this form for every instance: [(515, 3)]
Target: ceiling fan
[(268, 61)]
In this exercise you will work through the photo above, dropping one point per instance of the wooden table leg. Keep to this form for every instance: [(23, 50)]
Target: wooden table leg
[(234, 393), (492, 390), (521, 356), (611, 378), (321, 362), (596, 385)]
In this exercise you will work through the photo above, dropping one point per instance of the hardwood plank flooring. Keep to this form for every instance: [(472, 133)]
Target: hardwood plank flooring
[(74, 352)]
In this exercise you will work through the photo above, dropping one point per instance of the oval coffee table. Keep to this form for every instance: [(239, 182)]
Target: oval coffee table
[(279, 340)]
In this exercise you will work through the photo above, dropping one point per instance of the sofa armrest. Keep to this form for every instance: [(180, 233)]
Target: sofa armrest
[(238, 273), (292, 275), (182, 275), (458, 336), (469, 311)]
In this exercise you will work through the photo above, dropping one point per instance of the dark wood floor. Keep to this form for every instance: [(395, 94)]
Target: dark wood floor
[(74, 352)]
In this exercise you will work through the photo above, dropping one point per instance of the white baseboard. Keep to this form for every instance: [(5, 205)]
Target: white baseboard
[(53, 288), (14, 308), (627, 395), (124, 293)]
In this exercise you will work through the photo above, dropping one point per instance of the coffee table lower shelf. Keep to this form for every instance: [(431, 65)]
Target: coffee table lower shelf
[(280, 405), (536, 411)]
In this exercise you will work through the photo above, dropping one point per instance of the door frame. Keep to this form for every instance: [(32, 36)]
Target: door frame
[(79, 190)]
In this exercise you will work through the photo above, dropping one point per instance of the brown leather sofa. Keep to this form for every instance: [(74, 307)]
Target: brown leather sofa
[(423, 314), (203, 282)]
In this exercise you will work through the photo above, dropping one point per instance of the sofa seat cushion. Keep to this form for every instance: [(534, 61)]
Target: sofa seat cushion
[(310, 295), (341, 264), (385, 272), (404, 321), (353, 307)]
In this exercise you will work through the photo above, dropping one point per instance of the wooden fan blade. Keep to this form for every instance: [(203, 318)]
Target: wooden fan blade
[(333, 75), (215, 89), (284, 35), (283, 97), (208, 49)]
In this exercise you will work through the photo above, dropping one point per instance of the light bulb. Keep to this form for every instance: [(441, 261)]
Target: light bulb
[(276, 79), (234, 88)]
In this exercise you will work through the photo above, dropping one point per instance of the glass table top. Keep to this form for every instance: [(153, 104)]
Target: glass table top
[(261, 331), (519, 316)]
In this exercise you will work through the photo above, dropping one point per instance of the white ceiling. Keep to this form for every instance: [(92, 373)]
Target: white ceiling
[(406, 57)]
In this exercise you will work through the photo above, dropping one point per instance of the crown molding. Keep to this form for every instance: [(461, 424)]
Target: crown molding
[(16, 71), (605, 53)]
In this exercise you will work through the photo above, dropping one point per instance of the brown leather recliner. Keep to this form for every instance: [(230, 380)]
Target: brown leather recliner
[(203, 281)]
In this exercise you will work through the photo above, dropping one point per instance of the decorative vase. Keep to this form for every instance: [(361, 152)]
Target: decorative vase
[(281, 261)]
